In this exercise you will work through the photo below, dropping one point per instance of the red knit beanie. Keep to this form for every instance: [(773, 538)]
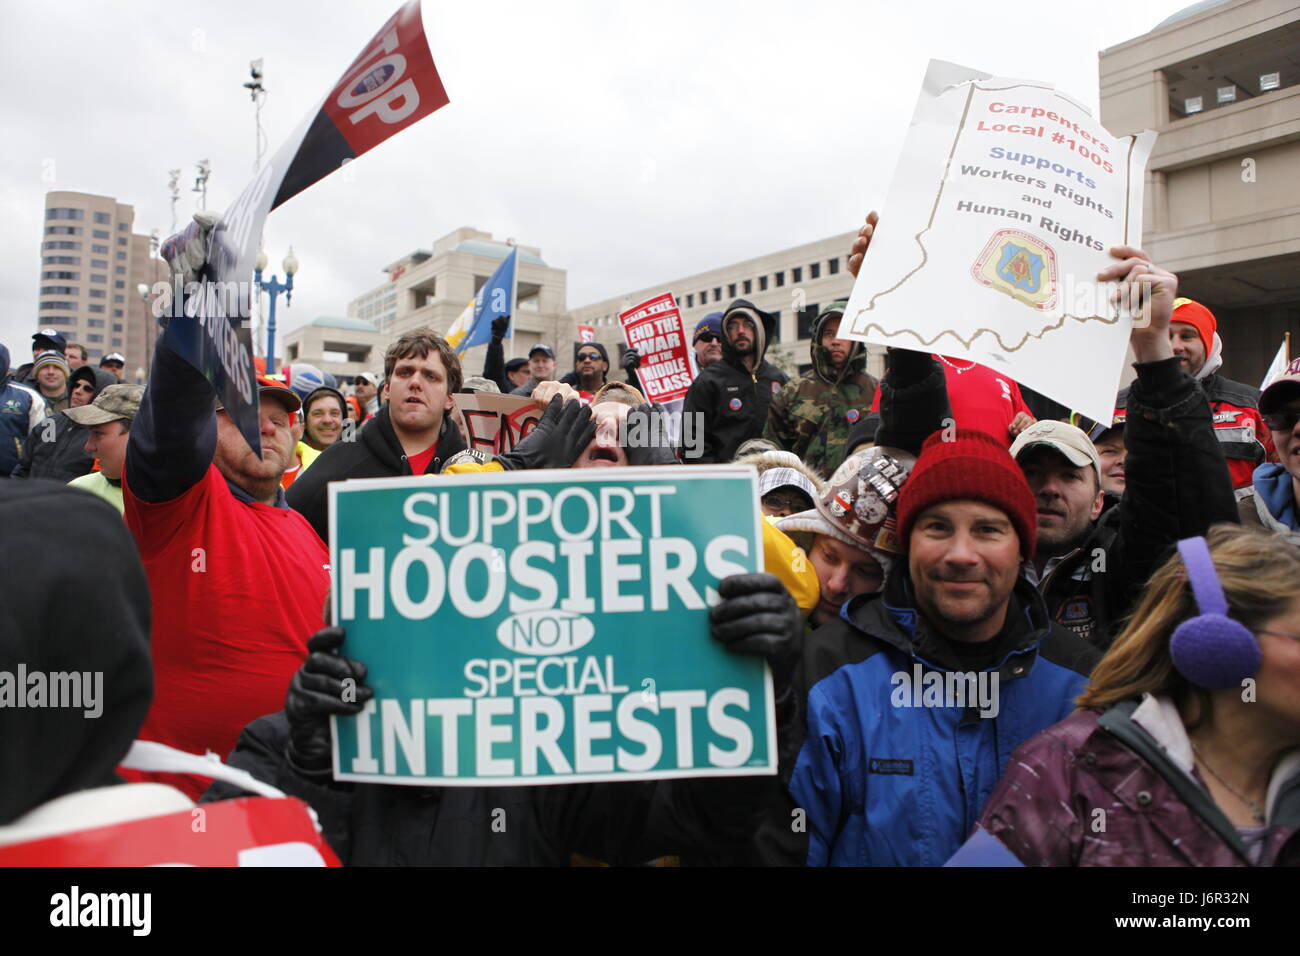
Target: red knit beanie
[(1199, 318), (973, 466)]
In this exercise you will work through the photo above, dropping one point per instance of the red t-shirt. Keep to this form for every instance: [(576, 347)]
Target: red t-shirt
[(237, 589), (421, 461), (980, 398)]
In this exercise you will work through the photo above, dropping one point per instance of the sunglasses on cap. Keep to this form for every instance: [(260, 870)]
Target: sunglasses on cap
[(706, 337), (1282, 420)]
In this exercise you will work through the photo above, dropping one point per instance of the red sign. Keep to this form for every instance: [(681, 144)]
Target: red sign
[(252, 831), (654, 329), (586, 334), (391, 85)]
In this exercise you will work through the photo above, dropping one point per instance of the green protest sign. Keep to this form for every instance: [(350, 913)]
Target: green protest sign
[(547, 626)]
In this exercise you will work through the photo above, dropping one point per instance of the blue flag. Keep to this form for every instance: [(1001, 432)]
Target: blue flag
[(496, 298)]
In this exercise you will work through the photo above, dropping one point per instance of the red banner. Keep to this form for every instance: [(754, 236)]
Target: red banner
[(252, 831), (654, 328)]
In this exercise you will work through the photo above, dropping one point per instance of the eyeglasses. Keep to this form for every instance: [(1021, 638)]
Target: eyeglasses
[(589, 356), (706, 337), (83, 388), (1283, 420)]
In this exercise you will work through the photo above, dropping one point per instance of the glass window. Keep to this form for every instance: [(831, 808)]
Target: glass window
[(717, 294), (117, 283), (117, 342), (121, 255), (690, 300), (62, 260), (121, 240), (121, 227), (59, 306), (731, 290), (98, 309), (57, 319), (60, 244), (807, 318), (117, 326), (98, 277), (99, 250), (117, 270), (63, 230), (117, 314), (94, 337), (59, 212), (99, 263), (103, 218), (59, 274), (95, 323), (118, 299), (780, 279), (833, 266), (762, 283), (749, 286), (58, 290), (776, 326), (815, 270), (796, 274), (100, 233), (704, 297)]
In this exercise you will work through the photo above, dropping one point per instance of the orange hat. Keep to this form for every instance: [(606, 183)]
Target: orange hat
[(1199, 317)]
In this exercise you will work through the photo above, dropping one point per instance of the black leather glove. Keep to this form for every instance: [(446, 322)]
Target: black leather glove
[(631, 359), (499, 326), (557, 439), (316, 692), (647, 437), (758, 616)]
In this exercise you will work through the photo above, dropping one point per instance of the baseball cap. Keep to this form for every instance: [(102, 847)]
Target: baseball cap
[(53, 337), (117, 357), (368, 377), (710, 323), (1062, 437), (545, 349), (113, 403), (477, 383), (1281, 390)]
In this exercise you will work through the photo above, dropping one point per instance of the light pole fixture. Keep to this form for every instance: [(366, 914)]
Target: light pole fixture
[(274, 287)]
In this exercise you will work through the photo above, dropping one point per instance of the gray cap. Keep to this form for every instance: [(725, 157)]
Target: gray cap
[(477, 383), (115, 403), (1065, 439)]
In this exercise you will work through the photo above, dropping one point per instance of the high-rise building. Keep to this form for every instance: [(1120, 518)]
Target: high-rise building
[(1220, 82), (92, 265)]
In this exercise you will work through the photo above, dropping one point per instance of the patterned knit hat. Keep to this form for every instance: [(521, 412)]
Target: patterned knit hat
[(973, 466)]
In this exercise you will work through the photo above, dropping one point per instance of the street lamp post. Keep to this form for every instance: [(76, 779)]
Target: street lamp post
[(274, 287)]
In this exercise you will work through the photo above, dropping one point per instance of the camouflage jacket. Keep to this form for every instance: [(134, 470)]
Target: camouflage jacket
[(812, 416)]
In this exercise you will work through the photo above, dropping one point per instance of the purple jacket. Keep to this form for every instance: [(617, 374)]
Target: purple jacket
[(1119, 788)]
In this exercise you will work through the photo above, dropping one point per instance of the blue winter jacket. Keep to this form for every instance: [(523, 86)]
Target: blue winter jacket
[(20, 409), (885, 782)]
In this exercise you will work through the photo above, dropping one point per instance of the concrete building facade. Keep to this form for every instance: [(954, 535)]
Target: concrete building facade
[(795, 283), (92, 265), (431, 287), (1220, 83), (345, 347)]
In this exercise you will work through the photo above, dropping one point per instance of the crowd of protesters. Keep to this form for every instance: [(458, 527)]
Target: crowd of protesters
[(1121, 600)]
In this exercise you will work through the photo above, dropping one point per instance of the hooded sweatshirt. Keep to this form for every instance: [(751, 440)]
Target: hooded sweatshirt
[(56, 448), (812, 417), (21, 410), (376, 453), (50, 751), (732, 399)]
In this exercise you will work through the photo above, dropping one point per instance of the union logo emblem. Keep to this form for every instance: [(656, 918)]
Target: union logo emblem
[(1019, 265)]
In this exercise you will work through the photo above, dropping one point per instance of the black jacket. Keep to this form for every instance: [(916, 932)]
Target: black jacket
[(63, 458), (376, 453), (618, 823), (1176, 485), (732, 399)]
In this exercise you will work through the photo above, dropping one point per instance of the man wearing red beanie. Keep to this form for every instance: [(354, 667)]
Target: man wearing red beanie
[(1245, 440), (917, 695)]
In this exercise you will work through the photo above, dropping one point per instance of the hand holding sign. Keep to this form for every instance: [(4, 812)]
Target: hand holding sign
[(859, 248), (1149, 293), (758, 616), (327, 683)]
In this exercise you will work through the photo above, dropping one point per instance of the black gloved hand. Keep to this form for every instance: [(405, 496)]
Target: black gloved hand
[(316, 692), (557, 439), (499, 326), (647, 437), (631, 359), (758, 616)]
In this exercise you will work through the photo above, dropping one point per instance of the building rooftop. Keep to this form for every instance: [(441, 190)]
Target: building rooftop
[(495, 250), (1190, 11), (339, 322)]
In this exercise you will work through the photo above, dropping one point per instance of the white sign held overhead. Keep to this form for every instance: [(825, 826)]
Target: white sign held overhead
[(1006, 198)]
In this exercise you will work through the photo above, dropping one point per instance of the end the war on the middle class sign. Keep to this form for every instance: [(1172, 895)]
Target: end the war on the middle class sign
[(548, 627)]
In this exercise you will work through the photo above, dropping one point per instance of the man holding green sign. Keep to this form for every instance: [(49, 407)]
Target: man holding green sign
[(506, 630)]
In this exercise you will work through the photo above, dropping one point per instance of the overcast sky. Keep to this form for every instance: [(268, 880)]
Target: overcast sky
[(634, 142)]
